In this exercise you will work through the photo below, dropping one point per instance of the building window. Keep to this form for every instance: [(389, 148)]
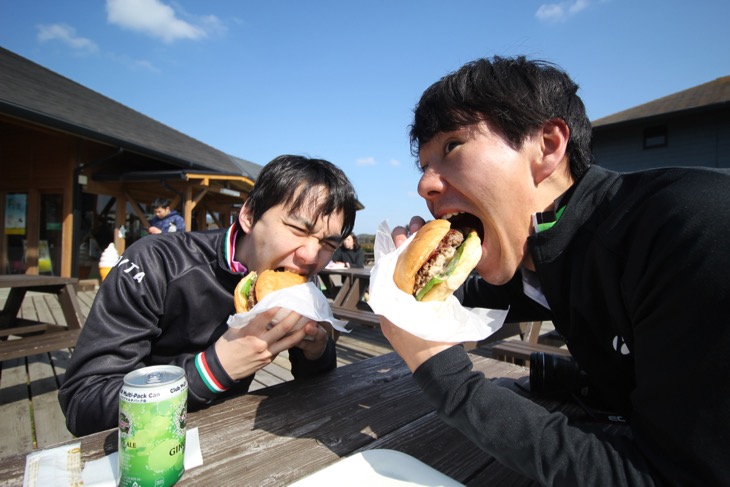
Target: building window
[(655, 137)]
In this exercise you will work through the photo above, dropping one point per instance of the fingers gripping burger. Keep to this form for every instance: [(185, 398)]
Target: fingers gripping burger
[(437, 261), (252, 288)]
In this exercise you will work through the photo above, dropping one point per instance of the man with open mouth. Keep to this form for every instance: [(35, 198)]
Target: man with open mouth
[(632, 269)]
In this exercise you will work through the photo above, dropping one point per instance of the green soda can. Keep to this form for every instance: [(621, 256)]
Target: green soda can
[(152, 415)]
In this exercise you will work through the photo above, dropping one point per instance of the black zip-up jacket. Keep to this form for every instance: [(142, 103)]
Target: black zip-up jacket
[(166, 301), (637, 276)]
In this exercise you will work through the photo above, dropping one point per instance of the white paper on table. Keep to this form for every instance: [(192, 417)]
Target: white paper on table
[(440, 321), (55, 466), (304, 299), (62, 465), (379, 467)]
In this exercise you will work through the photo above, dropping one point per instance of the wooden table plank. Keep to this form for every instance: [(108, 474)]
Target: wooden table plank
[(54, 307), (331, 420), (49, 421), (38, 344), (15, 427), (86, 299), (42, 307), (27, 310)]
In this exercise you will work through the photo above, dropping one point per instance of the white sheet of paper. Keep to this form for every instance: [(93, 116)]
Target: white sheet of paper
[(378, 467), (305, 299), (61, 466), (54, 466), (441, 321)]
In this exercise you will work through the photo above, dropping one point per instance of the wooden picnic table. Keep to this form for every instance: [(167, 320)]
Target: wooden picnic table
[(348, 303), (34, 336), (277, 435)]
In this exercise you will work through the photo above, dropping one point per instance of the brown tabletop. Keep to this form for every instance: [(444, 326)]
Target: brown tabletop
[(280, 434), (32, 337)]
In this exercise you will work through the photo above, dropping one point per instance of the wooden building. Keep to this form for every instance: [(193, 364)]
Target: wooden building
[(79, 171), (688, 128)]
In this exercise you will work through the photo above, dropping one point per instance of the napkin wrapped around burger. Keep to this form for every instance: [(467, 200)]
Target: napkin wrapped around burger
[(421, 302), (256, 293)]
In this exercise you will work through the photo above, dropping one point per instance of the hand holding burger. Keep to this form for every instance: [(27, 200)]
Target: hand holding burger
[(244, 350)]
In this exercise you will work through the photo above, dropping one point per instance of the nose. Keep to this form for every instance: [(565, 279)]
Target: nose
[(308, 252), (431, 185)]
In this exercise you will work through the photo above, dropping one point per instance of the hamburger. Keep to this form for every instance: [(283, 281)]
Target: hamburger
[(252, 288), (437, 261)]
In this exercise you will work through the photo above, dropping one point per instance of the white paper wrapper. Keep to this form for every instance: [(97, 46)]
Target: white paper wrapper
[(304, 299), (440, 321)]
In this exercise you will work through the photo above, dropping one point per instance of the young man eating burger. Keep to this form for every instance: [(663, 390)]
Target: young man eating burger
[(173, 309), (630, 268)]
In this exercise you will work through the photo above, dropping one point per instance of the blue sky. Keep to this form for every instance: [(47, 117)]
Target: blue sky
[(339, 79)]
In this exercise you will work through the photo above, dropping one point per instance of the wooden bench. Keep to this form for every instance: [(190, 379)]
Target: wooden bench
[(361, 316), (512, 350), (32, 345)]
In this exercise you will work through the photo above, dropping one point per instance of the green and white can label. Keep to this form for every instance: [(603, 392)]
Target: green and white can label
[(152, 416)]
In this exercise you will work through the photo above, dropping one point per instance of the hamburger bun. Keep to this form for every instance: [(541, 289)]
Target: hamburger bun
[(447, 265), (254, 287)]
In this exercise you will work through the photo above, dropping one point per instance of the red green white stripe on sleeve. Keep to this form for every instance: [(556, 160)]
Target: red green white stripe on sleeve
[(208, 378)]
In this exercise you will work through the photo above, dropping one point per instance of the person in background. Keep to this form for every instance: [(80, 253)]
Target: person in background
[(165, 220), (632, 270), (349, 254), (168, 300)]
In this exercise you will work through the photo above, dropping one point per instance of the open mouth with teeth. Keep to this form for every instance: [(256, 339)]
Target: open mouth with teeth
[(287, 269), (465, 221)]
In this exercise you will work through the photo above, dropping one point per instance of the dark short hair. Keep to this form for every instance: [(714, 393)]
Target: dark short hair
[(161, 203), (514, 95), (281, 179), (356, 244)]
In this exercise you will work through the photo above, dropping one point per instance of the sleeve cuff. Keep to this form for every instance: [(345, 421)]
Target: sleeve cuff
[(452, 360), (210, 373), (301, 367)]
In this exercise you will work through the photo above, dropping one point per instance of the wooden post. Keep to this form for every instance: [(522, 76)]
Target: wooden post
[(188, 207), (67, 226), (33, 230)]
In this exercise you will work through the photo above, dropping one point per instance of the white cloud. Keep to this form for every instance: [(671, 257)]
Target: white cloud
[(559, 12), (157, 19), (578, 6), (145, 65), (365, 161), (394, 162), (66, 34)]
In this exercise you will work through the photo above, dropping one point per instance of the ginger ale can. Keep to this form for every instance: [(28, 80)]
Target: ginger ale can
[(152, 416)]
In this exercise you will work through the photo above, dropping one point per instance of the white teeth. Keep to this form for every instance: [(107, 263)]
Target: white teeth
[(450, 215)]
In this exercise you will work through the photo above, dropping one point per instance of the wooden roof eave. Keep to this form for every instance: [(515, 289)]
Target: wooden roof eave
[(215, 191)]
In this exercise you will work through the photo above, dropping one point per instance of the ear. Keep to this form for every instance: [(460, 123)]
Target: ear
[(245, 218), (553, 141)]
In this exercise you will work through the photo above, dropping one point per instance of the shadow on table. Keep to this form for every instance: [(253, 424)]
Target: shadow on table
[(346, 409), (369, 407)]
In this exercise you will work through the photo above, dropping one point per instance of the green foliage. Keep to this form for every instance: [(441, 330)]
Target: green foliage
[(366, 242)]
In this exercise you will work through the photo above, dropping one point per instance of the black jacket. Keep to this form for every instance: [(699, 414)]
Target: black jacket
[(356, 258), (637, 276), (165, 302)]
